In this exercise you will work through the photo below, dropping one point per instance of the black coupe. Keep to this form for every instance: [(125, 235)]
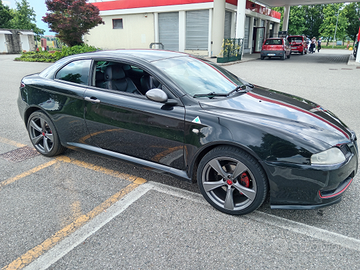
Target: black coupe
[(194, 120)]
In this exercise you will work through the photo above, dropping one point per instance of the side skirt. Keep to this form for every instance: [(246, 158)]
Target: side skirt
[(159, 168)]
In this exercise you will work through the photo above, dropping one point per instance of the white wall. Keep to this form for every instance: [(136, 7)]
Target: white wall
[(3, 47), (137, 33)]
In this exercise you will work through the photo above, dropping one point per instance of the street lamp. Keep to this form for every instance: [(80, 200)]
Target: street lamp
[(337, 19)]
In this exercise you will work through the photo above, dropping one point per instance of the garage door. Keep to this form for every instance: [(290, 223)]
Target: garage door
[(197, 29), (169, 30)]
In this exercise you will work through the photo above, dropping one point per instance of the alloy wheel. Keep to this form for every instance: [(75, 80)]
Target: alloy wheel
[(228, 183)]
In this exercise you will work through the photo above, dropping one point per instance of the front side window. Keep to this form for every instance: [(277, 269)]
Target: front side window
[(76, 72), (123, 77)]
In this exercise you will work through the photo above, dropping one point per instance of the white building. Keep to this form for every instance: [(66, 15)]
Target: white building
[(16, 41), (193, 26)]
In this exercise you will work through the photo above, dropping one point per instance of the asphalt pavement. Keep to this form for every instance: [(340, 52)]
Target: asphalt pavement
[(82, 211)]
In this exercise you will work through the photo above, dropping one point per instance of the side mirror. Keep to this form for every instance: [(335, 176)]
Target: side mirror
[(157, 95)]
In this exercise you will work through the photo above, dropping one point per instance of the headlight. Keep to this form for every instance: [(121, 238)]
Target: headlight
[(328, 157)]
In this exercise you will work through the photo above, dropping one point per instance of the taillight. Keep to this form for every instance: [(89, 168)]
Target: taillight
[(22, 85)]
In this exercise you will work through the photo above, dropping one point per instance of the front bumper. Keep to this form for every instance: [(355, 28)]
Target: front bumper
[(272, 53), (310, 187)]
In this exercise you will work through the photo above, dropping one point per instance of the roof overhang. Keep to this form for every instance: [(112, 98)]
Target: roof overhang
[(5, 32), (281, 3), (27, 33)]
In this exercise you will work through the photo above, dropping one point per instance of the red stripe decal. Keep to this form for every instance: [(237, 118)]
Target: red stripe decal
[(333, 195)]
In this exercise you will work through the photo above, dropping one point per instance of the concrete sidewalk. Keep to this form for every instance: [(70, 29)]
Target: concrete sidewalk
[(256, 56)]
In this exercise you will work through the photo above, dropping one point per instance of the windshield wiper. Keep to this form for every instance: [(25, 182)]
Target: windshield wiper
[(239, 89), (211, 95)]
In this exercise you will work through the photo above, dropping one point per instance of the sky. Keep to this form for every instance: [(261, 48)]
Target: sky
[(40, 10)]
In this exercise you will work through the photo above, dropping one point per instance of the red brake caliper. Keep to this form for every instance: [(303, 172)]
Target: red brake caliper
[(244, 180)]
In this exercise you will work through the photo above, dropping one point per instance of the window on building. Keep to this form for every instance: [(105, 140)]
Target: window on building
[(117, 23), (247, 33), (227, 26)]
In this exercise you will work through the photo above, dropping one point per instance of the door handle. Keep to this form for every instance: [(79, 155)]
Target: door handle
[(92, 99)]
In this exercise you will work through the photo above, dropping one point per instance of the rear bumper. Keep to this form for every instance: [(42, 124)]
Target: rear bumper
[(272, 53), (298, 49)]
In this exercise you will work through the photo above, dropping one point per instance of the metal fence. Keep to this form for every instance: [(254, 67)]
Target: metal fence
[(231, 50)]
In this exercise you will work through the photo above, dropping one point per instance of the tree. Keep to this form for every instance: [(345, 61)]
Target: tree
[(297, 22), (334, 19), (24, 18), (314, 17), (5, 16), (71, 19), (352, 13), (302, 19)]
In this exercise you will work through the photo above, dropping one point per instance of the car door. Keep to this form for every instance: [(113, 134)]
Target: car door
[(129, 123), (66, 100)]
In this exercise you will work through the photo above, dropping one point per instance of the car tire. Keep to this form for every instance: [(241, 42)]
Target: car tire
[(284, 56), (289, 55), (232, 181), (302, 52), (262, 57), (43, 135)]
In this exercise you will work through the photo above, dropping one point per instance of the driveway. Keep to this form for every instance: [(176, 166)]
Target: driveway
[(82, 211)]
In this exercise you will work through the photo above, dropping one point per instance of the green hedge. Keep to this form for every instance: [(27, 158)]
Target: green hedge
[(52, 56)]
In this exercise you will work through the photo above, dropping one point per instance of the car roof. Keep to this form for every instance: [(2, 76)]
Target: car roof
[(144, 54)]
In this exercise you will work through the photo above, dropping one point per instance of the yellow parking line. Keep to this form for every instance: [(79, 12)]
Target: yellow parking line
[(27, 173), (37, 251), (96, 168), (10, 142)]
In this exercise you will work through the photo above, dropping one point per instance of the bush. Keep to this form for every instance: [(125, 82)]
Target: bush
[(66, 51), (53, 56)]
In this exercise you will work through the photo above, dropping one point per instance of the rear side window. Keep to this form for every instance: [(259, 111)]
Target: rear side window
[(76, 72)]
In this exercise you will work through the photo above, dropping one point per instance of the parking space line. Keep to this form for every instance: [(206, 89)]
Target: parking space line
[(96, 168), (37, 251), (78, 237), (11, 142), (27, 173), (304, 229)]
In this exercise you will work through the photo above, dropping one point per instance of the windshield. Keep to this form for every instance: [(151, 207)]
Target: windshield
[(197, 76)]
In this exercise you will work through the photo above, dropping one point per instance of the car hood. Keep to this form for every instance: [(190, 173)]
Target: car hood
[(283, 112)]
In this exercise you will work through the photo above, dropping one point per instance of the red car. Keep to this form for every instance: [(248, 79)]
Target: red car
[(275, 47), (298, 44)]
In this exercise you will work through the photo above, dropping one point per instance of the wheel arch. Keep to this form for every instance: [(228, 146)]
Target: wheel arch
[(203, 151), (31, 110)]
